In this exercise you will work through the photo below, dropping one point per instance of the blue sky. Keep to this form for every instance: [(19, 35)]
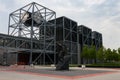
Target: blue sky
[(99, 15)]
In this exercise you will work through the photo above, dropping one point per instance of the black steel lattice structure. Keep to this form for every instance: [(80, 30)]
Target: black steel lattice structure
[(85, 35), (34, 30), (97, 39), (31, 23), (84, 39), (66, 33)]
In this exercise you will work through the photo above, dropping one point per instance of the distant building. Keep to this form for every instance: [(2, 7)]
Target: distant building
[(97, 39), (66, 33), (85, 35)]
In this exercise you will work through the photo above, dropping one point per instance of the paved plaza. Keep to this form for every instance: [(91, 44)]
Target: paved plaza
[(49, 73)]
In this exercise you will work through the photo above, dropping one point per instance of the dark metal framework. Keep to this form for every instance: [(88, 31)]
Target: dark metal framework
[(84, 38), (85, 35), (20, 44), (31, 25), (35, 29), (97, 39), (66, 34)]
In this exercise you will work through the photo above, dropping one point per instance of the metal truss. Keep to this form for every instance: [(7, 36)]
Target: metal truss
[(32, 22), (85, 35), (84, 38), (97, 39), (66, 33), (21, 44)]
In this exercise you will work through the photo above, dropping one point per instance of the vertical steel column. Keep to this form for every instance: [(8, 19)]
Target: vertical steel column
[(78, 47), (9, 25), (19, 30), (55, 40), (71, 40), (31, 52), (82, 44), (63, 30), (81, 33), (44, 39)]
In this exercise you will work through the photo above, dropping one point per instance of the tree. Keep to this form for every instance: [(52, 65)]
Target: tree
[(115, 55), (111, 55), (100, 54), (92, 52), (89, 53), (119, 53), (118, 50), (85, 53), (108, 55)]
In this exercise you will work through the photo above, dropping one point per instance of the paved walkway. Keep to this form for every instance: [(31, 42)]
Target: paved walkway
[(15, 74)]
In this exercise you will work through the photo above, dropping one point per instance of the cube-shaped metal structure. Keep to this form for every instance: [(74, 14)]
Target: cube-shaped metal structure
[(97, 39), (66, 33), (32, 21), (85, 35)]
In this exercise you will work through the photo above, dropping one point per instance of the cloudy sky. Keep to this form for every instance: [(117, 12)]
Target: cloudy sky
[(99, 15)]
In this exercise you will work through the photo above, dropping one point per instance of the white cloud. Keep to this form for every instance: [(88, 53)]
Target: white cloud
[(93, 2), (111, 31), (2, 8)]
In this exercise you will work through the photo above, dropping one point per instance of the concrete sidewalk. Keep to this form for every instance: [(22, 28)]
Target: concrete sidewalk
[(114, 74)]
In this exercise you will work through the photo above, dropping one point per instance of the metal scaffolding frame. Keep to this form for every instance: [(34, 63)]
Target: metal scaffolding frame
[(35, 29), (32, 23), (66, 34), (84, 38), (97, 39), (85, 35), (20, 44)]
